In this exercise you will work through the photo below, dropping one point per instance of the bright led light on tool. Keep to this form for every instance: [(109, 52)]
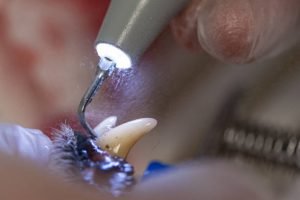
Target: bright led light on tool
[(115, 54)]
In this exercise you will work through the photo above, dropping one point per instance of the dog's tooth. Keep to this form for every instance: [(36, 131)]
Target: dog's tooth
[(120, 140), (105, 125)]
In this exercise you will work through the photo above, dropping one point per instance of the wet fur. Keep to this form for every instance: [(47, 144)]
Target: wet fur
[(76, 158), (64, 157)]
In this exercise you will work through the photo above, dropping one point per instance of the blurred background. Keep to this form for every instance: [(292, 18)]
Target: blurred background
[(47, 60), (47, 57)]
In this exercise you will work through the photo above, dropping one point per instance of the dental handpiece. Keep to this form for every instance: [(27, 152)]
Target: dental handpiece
[(128, 29)]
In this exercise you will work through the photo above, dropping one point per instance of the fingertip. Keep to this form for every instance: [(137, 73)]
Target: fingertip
[(211, 180), (226, 30)]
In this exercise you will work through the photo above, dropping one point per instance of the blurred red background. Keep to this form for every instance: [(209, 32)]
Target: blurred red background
[(45, 50)]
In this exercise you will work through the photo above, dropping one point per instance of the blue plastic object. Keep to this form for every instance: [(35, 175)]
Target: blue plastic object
[(154, 168)]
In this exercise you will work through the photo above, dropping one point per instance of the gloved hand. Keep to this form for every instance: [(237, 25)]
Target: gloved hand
[(29, 144), (239, 31)]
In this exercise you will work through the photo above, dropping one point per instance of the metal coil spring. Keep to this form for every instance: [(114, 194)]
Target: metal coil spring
[(263, 144)]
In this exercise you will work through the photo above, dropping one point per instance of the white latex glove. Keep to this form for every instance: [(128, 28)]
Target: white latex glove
[(30, 144)]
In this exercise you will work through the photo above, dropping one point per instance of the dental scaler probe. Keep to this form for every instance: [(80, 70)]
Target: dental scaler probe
[(128, 29), (105, 68)]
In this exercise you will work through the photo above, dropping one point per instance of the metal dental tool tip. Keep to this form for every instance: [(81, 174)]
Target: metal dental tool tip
[(104, 70)]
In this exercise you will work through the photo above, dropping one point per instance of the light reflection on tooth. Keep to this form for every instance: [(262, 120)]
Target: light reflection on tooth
[(120, 140), (105, 125)]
